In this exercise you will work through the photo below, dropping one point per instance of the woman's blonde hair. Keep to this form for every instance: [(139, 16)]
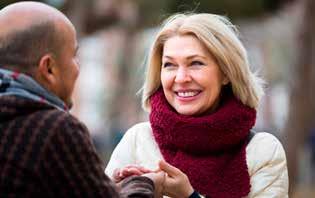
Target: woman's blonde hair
[(219, 35)]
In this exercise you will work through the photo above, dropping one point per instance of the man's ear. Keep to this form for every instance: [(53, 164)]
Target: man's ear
[(47, 69)]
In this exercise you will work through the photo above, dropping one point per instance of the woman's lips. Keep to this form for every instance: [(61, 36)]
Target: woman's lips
[(187, 95)]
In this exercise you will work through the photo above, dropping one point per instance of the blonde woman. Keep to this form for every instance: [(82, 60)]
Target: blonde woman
[(202, 98)]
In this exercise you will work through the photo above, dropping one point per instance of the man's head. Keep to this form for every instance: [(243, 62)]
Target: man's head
[(40, 41)]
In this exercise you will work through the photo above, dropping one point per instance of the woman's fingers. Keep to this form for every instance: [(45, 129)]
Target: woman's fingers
[(176, 182), (140, 168), (121, 173), (131, 171), (158, 180), (145, 170), (169, 169), (116, 175)]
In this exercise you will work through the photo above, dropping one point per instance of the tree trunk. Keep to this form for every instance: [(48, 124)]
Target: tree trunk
[(302, 103)]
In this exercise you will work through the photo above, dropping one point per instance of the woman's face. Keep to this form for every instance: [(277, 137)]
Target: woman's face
[(190, 76)]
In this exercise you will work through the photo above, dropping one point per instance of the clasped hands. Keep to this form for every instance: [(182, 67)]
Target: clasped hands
[(168, 180)]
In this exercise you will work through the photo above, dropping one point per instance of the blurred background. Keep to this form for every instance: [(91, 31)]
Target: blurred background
[(114, 38)]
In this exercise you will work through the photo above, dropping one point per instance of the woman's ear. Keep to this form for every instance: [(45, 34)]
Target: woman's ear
[(225, 80)]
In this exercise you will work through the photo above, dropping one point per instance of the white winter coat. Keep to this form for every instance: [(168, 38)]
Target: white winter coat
[(265, 156)]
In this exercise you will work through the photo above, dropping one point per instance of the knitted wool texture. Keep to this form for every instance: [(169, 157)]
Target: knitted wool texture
[(209, 149)]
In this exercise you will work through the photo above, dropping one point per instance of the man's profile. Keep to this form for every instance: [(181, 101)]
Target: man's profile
[(45, 151)]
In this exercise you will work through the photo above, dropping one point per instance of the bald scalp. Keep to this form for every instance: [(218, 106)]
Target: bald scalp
[(27, 13), (21, 50), (28, 31)]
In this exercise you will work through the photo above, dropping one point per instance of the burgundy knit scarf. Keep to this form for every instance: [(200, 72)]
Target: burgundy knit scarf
[(209, 149)]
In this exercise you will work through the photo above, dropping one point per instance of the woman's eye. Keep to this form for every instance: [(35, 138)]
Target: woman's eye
[(167, 64), (197, 63)]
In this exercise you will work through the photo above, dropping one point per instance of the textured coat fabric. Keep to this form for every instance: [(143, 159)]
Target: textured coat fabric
[(46, 152), (265, 159), (209, 149)]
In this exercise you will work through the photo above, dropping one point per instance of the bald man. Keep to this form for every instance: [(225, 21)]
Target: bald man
[(45, 151)]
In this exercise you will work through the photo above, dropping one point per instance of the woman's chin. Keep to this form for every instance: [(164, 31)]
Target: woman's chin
[(188, 111)]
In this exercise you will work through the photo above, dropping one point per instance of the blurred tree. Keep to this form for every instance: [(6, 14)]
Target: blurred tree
[(302, 103), (154, 10), (234, 8), (85, 12), (76, 11), (121, 17), (89, 17), (4, 3)]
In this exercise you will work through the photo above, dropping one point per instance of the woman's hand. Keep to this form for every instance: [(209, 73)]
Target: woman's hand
[(158, 178), (120, 174), (176, 183)]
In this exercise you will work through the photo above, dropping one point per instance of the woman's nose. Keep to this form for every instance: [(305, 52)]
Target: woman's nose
[(182, 75)]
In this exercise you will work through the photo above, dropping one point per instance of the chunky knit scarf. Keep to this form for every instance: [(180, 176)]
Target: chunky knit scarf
[(18, 84), (210, 149)]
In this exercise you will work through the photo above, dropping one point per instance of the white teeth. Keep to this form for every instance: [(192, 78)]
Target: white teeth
[(187, 94)]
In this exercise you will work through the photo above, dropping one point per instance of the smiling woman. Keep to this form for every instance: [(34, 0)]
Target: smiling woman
[(191, 78), (202, 98)]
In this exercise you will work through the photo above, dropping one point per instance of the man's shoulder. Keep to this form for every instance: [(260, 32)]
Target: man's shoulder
[(65, 121), (19, 107), (53, 120), (57, 116), (66, 131)]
